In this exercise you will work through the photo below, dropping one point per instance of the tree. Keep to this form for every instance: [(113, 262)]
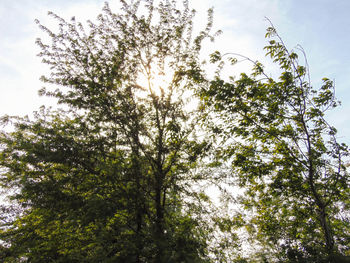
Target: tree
[(110, 177), (284, 155)]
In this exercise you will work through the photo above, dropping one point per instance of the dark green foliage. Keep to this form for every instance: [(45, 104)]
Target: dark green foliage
[(106, 180), (285, 156), (118, 174)]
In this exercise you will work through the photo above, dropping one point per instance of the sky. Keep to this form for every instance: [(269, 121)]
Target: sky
[(321, 27)]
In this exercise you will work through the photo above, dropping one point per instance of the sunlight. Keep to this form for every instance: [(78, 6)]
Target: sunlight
[(156, 82)]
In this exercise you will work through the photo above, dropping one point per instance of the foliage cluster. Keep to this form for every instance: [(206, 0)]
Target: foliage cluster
[(119, 174)]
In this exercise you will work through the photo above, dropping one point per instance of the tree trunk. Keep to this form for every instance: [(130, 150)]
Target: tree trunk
[(329, 239), (159, 235)]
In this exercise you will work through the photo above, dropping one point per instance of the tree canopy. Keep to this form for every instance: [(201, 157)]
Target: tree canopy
[(107, 178), (120, 171), (284, 155)]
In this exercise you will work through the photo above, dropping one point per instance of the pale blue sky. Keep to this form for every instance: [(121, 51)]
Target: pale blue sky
[(320, 26)]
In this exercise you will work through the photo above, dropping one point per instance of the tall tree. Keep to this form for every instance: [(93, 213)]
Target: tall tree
[(285, 156), (107, 178)]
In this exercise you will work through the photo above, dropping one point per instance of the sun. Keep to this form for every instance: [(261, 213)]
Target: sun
[(155, 81)]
